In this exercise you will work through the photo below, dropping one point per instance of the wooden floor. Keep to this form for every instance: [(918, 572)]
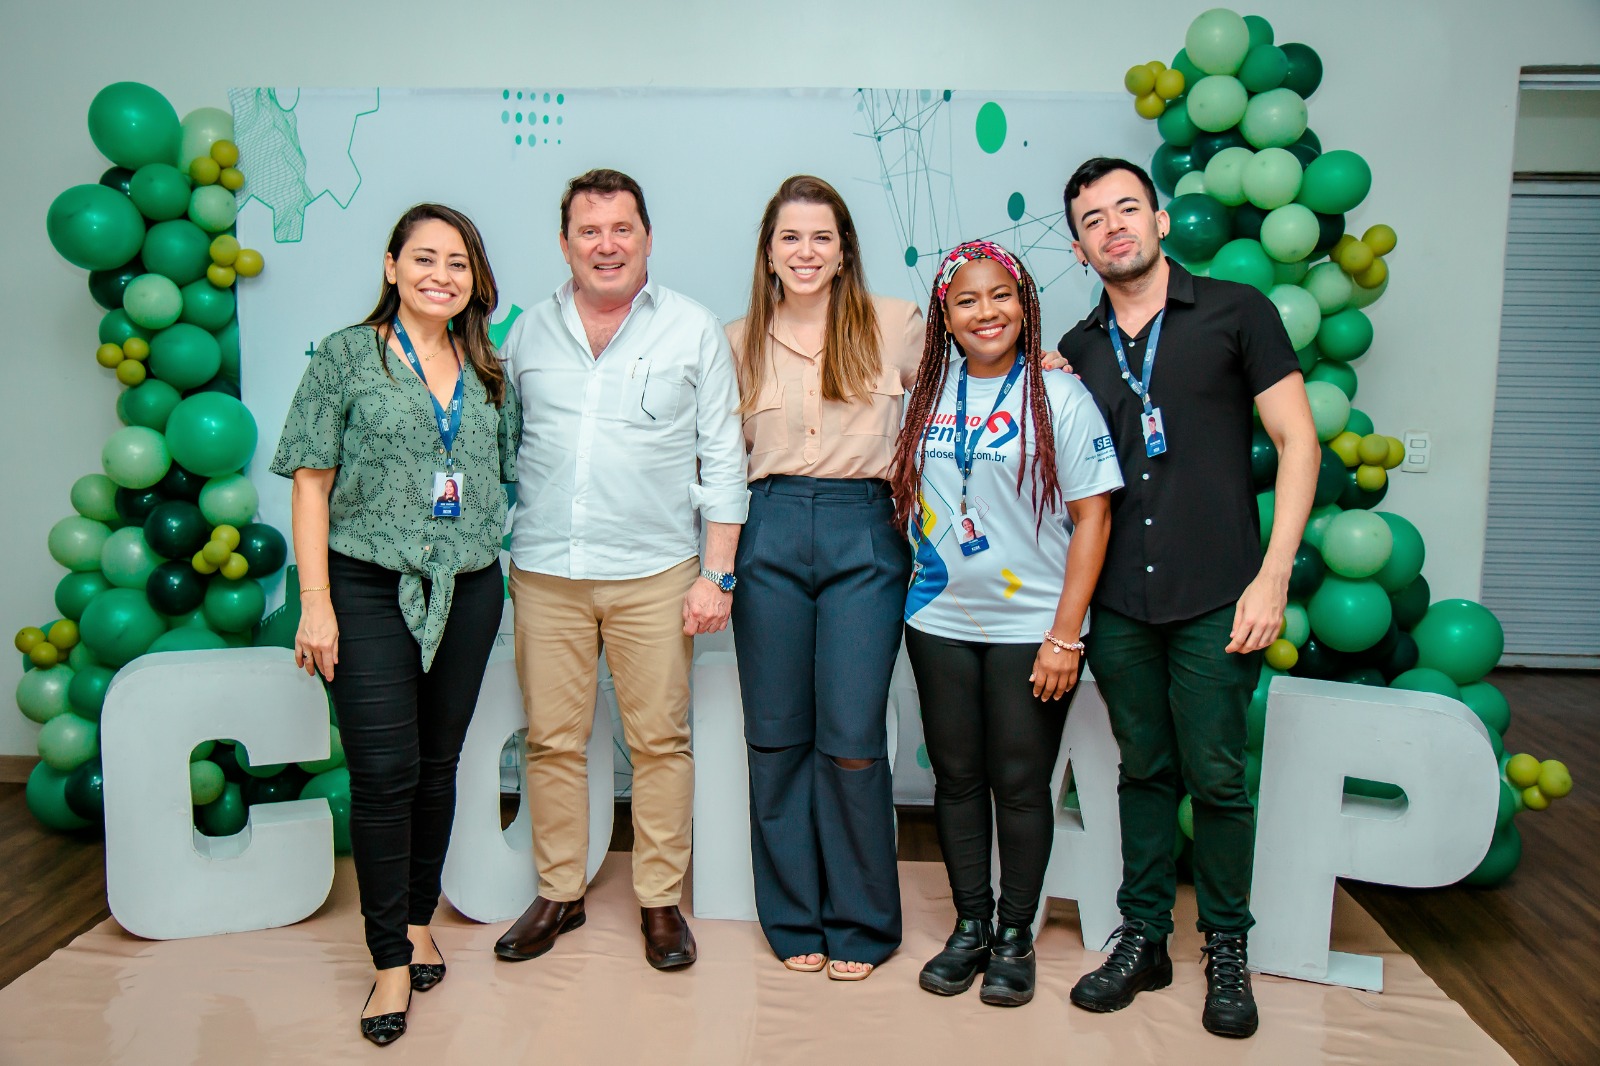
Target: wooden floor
[(1522, 958)]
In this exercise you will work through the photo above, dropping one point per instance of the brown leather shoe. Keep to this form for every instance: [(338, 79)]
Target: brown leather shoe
[(535, 932), (668, 943)]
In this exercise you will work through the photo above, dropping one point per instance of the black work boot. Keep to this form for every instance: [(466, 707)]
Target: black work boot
[(1009, 980), (1138, 963), (1230, 1005), (965, 956)]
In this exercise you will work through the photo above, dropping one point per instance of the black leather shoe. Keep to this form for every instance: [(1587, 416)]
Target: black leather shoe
[(384, 1029), (965, 956), (668, 943), (424, 975), (1137, 964), (535, 932), (1009, 980), (1230, 1005)]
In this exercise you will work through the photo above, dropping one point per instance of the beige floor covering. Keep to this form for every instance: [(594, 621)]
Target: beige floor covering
[(292, 996)]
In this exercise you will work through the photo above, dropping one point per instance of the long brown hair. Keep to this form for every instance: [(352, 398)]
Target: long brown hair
[(851, 360), (905, 471), (470, 327)]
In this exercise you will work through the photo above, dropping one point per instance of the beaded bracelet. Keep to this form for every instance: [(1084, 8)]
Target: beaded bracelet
[(1062, 645), (319, 588)]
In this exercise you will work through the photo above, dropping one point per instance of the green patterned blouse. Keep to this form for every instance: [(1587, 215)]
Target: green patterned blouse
[(379, 430)]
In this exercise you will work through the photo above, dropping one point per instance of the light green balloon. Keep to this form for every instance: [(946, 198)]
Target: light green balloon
[(1360, 298), (66, 742), (152, 301), (203, 127), (1271, 178), (1274, 119), (1329, 286), (1217, 103), (42, 694), (1299, 311), (1330, 408), (230, 500), (1357, 544), (95, 496), (75, 542), (1224, 175), (1194, 181), (1296, 625), (206, 782), (135, 457), (127, 560), (213, 208), (1217, 41), (1289, 233), (1317, 524)]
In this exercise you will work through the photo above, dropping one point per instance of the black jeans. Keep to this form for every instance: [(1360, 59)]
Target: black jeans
[(402, 731), (988, 733)]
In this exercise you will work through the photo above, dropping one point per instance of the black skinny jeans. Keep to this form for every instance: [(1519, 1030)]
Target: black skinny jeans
[(402, 731), (988, 734)]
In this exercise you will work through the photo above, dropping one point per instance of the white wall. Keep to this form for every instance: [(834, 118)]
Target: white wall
[(1426, 90)]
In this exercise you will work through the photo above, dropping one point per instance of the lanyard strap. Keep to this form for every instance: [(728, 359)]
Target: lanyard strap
[(1140, 386), (449, 419), (965, 455)]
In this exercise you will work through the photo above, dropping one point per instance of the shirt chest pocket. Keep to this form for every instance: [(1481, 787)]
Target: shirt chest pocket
[(766, 426), (654, 395), (878, 413)]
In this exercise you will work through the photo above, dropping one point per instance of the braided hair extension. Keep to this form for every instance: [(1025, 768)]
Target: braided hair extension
[(905, 471)]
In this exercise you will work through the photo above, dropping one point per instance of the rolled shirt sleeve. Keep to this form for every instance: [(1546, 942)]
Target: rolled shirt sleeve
[(720, 495)]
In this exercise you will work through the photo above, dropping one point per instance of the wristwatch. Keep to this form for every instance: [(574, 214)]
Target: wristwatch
[(723, 581)]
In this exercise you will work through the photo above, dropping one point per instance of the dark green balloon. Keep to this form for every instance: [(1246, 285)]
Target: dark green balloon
[(1168, 165), (226, 756), (85, 791), (1411, 603), (1329, 229), (1505, 853), (116, 327), (86, 692), (284, 786), (1265, 66), (1308, 572), (118, 178), (1355, 497), (1403, 658), (135, 505), (263, 547), (1360, 786), (1263, 459), (176, 530), (74, 592), (1305, 69), (1209, 144), (175, 587), (225, 815), (178, 249), (1247, 219), (1200, 226), (221, 383), (1319, 662), (1363, 675), (181, 484), (1331, 478), (1303, 152), (106, 286)]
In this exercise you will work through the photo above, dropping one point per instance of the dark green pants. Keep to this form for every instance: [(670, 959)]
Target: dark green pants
[(1177, 704)]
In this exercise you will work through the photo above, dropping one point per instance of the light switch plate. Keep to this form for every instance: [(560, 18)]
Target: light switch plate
[(1419, 451)]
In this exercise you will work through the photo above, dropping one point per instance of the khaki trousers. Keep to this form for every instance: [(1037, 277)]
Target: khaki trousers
[(561, 625)]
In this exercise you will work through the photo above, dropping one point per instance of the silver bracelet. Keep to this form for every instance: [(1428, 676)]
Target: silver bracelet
[(1062, 645)]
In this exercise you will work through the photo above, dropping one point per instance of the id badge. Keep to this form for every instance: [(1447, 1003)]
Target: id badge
[(446, 494), (1155, 434), (969, 534)]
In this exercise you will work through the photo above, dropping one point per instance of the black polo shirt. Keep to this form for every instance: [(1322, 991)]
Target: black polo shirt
[(1185, 534)]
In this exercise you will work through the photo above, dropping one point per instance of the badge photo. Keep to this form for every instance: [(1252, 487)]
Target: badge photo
[(1155, 432), (446, 494), (969, 534)]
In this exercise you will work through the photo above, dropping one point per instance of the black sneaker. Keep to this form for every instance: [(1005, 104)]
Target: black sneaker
[(1012, 968), (1230, 1005), (1138, 963), (965, 956)]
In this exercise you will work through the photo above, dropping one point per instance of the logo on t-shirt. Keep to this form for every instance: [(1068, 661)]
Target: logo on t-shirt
[(1103, 448)]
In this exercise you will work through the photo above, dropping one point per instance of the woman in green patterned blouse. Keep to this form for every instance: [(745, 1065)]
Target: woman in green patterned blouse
[(402, 595)]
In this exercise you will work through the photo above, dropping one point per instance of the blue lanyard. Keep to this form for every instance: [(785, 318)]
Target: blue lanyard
[(965, 455), (1141, 388), (449, 419)]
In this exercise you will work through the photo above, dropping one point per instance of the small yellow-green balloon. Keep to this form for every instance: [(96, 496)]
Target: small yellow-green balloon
[(249, 263), (216, 553), (226, 534), (1380, 238), (220, 276), (1397, 453), (204, 170), (1347, 446), (27, 637), (1355, 257), (1523, 770), (1149, 106), (1139, 80), (64, 634), (1373, 449), (136, 348), (1281, 654), (1534, 798), (231, 179), (235, 568), (224, 250), (131, 372), (109, 355), (1169, 84), (44, 654), (225, 153), (1373, 276), (1371, 478), (1554, 779), (201, 563), (1155, 66)]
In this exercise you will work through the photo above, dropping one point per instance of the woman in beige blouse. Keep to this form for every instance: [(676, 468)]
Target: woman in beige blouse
[(823, 369)]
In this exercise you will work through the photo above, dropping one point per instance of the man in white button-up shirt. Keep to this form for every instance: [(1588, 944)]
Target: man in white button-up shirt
[(630, 427)]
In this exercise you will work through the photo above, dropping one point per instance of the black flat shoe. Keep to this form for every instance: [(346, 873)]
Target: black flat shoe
[(965, 956), (424, 975), (384, 1029), (1012, 968)]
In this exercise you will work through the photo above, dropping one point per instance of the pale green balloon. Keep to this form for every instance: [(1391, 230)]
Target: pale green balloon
[(205, 782), (1330, 286), (1360, 297), (203, 127), (1300, 313), (95, 496), (1272, 178), (1330, 407), (1217, 103), (1224, 175), (1289, 233), (230, 500), (1194, 181), (135, 457), (76, 542), (212, 208), (1274, 119), (152, 301), (66, 742), (42, 694), (127, 559), (1217, 41), (1297, 625)]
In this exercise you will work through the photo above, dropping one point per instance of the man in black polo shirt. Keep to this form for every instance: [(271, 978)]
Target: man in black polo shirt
[(1185, 602)]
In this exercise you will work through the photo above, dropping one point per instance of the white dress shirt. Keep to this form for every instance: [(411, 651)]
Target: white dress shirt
[(607, 487)]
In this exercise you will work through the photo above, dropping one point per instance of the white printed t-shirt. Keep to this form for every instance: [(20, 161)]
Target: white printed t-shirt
[(1007, 594)]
